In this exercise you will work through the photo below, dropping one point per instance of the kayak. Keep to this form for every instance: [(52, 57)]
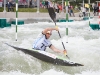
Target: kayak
[(46, 56)]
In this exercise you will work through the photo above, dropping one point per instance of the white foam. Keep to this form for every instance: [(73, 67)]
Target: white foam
[(49, 72), (82, 47)]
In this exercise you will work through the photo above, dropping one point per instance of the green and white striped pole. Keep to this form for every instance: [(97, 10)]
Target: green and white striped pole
[(66, 20), (16, 17), (66, 10)]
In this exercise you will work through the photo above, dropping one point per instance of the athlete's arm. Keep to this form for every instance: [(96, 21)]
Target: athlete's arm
[(56, 50)]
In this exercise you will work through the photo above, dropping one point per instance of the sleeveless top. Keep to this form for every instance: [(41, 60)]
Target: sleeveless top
[(41, 43)]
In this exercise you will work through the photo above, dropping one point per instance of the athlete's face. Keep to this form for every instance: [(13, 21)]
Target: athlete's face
[(48, 35)]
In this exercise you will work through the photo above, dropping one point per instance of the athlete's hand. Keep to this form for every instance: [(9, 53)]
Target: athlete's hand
[(56, 28), (65, 52)]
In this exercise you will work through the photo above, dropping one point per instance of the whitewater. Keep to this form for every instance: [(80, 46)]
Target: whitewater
[(83, 47)]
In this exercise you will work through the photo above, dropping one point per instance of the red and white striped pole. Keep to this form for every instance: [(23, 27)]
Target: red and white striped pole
[(99, 13)]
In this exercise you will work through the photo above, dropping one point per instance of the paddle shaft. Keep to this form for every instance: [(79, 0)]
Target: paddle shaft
[(62, 42), (53, 17), (60, 37)]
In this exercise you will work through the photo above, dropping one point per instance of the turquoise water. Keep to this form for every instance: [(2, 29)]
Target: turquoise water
[(82, 47)]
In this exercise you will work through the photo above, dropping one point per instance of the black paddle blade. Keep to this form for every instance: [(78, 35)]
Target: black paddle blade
[(52, 14)]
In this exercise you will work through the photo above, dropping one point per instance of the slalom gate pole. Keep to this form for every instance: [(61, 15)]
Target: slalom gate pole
[(16, 17)]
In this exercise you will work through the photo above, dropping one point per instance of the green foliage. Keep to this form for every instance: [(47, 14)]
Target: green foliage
[(26, 10), (31, 10), (1, 9)]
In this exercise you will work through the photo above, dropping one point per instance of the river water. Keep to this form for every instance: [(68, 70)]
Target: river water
[(83, 47)]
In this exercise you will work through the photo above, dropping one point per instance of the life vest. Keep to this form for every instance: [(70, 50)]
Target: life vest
[(41, 43)]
